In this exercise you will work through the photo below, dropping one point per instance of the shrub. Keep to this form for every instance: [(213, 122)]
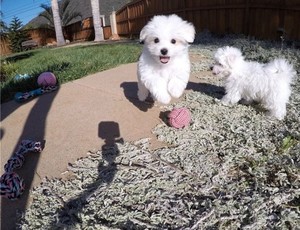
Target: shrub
[(6, 70), (16, 35)]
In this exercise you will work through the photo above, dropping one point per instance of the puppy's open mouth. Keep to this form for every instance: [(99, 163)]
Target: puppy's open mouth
[(164, 59)]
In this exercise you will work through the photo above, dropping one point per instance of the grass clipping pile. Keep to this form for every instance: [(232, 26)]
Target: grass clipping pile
[(232, 168)]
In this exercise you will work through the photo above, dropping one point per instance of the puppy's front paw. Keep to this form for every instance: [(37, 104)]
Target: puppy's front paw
[(175, 91), (225, 102), (176, 88), (246, 102), (230, 99), (163, 98), (142, 95), (221, 102), (278, 114), (216, 100)]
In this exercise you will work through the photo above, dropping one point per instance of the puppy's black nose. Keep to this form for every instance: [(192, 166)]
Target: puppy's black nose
[(164, 51), (211, 67)]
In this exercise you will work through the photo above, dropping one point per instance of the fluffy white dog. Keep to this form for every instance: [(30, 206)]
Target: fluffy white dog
[(268, 84), (164, 65)]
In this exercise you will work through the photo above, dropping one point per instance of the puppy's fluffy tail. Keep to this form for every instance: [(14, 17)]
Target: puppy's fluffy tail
[(281, 68)]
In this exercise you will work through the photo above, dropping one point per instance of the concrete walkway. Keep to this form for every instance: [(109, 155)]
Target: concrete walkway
[(80, 116)]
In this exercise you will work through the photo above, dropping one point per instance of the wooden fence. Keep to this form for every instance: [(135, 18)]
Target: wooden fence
[(264, 19), (4, 46), (42, 36), (79, 31), (84, 31)]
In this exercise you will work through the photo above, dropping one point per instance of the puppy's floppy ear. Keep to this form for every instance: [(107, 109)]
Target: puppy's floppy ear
[(188, 32), (231, 58), (143, 34), (233, 54), (185, 30)]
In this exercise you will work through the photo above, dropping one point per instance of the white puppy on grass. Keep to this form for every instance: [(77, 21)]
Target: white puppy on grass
[(164, 65), (268, 84)]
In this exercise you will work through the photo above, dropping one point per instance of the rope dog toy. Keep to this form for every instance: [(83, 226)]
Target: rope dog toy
[(179, 117), (11, 185), (19, 97)]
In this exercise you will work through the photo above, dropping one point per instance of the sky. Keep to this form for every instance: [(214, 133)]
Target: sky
[(25, 10)]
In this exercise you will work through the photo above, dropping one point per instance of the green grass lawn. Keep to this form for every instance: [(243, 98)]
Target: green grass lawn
[(67, 63)]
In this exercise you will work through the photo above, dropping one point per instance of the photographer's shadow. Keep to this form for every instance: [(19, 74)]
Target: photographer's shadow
[(69, 214), (109, 131)]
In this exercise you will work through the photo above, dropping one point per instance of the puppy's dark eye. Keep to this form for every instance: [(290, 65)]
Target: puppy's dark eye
[(156, 40), (173, 41)]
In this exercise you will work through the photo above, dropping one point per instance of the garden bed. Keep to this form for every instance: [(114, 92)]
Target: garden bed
[(232, 168)]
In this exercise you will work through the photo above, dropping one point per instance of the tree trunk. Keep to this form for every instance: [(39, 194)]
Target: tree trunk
[(97, 21), (57, 24)]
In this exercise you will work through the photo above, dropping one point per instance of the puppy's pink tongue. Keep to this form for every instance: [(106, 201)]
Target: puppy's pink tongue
[(164, 59)]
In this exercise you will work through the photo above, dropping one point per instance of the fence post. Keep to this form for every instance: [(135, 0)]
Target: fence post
[(280, 29), (113, 24), (184, 9), (227, 28), (247, 19), (128, 21)]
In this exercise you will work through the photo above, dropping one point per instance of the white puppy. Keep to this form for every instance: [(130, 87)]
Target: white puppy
[(164, 65), (268, 83)]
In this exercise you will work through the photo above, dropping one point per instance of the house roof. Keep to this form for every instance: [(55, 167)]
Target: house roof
[(84, 7)]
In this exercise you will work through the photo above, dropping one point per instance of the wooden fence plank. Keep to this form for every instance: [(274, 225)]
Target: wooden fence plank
[(258, 18)]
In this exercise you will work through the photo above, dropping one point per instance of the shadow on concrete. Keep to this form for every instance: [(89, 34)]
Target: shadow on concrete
[(131, 88), (130, 92), (69, 214), (34, 129)]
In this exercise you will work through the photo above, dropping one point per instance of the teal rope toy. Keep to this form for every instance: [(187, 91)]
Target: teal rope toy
[(20, 97)]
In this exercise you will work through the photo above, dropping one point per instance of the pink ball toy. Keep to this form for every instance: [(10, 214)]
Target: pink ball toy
[(46, 79), (179, 117)]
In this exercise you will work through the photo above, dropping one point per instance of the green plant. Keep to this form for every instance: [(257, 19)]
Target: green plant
[(3, 28), (66, 14), (68, 63), (6, 69), (287, 143), (16, 35)]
